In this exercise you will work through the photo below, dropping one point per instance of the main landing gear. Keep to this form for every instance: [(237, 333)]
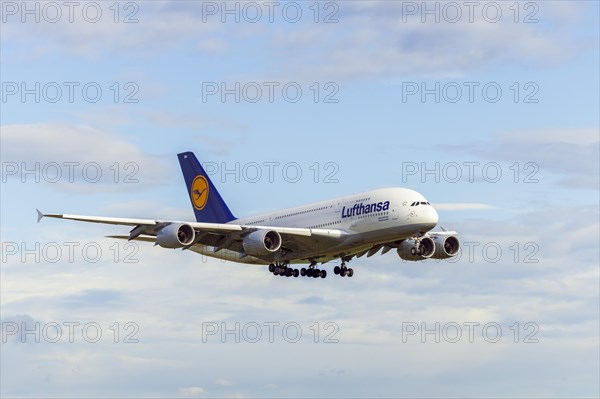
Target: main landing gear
[(342, 270), (282, 269), (312, 271)]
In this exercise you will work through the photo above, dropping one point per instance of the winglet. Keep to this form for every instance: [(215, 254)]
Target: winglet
[(40, 215)]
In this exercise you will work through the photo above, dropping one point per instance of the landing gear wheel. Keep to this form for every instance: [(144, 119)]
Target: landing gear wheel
[(303, 272), (276, 270), (288, 272), (336, 270), (296, 273), (271, 268), (350, 272), (323, 273), (343, 272), (316, 273)]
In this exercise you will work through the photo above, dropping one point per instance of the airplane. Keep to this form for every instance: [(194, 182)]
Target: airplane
[(342, 228)]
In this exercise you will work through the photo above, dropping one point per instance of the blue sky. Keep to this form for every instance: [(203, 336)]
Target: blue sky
[(363, 130)]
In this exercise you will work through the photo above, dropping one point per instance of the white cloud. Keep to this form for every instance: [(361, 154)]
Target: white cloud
[(570, 156), (462, 206), (192, 392), (160, 27), (580, 136), (77, 158), (382, 43), (371, 39)]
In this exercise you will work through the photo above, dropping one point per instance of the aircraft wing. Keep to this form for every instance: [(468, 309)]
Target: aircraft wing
[(219, 235), (138, 222)]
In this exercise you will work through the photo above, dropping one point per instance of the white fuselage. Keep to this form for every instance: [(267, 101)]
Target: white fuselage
[(367, 219)]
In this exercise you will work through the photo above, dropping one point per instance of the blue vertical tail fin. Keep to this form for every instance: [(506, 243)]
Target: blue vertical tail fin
[(206, 201)]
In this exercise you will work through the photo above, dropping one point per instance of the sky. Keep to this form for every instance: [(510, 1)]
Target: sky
[(489, 109)]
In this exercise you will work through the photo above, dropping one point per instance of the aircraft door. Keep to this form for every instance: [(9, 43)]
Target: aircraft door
[(394, 212)]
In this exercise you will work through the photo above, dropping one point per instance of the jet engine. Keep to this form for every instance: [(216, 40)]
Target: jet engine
[(261, 242), (446, 246), (411, 249), (176, 235)]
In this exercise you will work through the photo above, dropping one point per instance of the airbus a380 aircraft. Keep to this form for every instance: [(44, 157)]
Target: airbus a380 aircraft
[(342, 228)]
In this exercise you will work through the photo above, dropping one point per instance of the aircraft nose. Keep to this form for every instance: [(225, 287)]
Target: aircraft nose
[(430, 217)]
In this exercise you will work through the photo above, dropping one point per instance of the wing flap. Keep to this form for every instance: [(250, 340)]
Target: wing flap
[(138, 238)]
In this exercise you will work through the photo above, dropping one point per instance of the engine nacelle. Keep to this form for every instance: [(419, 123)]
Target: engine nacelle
[(408, 250), (261, 242), (446, 246), (176, 235)]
